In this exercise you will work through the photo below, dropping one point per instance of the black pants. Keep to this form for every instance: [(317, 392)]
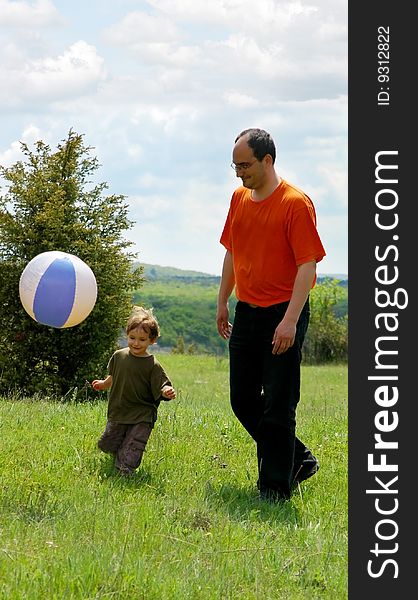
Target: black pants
[(265, 390)]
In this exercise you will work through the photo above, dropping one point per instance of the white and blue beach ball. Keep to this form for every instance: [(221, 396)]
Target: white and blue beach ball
[(58, 289)]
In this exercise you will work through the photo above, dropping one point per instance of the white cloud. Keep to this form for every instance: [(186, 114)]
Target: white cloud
[(16, 13), (239, 100), (281, 49), (270, 13), (149, 209), (75, 72), (334, 235), (335, 183), (14, 153), (139, 27), (134, 151)]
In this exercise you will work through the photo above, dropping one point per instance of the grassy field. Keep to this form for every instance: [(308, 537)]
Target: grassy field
[(188, 525)]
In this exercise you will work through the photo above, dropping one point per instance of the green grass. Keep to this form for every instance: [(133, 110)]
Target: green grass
[(188, 525)]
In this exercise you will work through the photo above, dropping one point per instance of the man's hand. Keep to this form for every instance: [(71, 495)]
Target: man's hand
[(225, 289), (284, 337), (222, 322)]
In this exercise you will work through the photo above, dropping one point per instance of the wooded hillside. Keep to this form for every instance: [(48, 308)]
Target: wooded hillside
[(185, 305)]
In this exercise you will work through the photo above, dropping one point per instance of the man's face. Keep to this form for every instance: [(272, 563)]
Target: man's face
[(247, 167)]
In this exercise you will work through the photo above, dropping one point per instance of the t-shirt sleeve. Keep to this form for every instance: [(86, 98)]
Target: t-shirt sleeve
[(226, 240), (159, 379), (111, 365), (226, 233), (303, 235)]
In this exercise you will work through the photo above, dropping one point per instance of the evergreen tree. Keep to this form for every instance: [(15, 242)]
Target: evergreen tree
[(51, 203)]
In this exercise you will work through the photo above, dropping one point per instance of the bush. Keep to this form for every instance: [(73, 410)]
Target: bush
[(326, 340), (51, 204)]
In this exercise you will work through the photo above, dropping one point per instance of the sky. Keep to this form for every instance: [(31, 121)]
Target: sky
[(161, 88)]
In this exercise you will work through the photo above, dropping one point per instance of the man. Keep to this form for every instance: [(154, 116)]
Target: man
[(272, 247)]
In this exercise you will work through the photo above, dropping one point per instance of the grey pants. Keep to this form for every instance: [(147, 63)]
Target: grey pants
[(126, 442)]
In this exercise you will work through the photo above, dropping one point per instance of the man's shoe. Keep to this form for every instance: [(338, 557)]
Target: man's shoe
[(305, 471)]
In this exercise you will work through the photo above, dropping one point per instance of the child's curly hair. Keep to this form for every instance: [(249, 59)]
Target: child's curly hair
[(144, 318)]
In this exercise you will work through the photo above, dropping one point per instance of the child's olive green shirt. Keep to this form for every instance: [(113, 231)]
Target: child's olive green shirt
[(137, 382)]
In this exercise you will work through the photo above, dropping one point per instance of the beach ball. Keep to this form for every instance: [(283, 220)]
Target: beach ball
[(58, 289)]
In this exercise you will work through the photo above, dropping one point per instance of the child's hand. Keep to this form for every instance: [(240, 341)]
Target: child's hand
[(168, 392), (100, 385)]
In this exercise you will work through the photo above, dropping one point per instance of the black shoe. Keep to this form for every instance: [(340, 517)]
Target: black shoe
[(306, 470)]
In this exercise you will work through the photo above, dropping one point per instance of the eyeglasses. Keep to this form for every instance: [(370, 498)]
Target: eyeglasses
[(242, 166)]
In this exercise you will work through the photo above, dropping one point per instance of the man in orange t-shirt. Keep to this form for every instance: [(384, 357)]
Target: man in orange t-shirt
[(272, 247)]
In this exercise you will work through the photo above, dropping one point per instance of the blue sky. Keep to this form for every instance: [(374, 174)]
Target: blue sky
[(161, 88)]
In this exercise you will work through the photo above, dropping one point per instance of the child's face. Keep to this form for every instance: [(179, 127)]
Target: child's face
[(138, 341)]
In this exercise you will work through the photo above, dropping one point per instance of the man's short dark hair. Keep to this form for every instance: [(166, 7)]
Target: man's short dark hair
[(260, 142)]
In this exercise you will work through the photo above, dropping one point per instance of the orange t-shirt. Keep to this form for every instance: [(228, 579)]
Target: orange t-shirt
[(268, 241)]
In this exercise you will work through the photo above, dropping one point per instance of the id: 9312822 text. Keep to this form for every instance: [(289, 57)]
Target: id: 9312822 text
[(383, 65)]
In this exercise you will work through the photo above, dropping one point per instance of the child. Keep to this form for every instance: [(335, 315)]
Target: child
[(137, 384)]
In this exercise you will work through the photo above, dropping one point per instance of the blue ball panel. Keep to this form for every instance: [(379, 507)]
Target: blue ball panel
[(54, 296)]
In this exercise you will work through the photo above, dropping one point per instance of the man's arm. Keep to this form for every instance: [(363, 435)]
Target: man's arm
[(225, 290), (284, 335)]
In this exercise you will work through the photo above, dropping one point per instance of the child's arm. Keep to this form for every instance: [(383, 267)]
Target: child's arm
[(168, 392), (101, 385)]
